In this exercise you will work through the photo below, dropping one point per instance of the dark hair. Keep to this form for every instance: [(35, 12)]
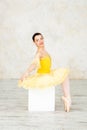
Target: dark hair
[(35, 34)]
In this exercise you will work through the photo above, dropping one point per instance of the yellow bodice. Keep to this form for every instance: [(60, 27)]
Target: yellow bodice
[(45, 65)]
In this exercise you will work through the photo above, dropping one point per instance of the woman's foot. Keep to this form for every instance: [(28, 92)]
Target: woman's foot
[(67, 103)]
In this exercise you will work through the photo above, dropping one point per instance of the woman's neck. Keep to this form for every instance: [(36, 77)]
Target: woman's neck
[(41, 48)]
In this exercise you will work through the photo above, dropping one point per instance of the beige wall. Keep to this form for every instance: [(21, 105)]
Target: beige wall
[(63, 24)]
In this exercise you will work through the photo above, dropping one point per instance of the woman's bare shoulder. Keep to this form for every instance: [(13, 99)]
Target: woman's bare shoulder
[(37, 54)]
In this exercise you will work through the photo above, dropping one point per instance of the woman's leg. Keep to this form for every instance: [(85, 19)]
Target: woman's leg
[(66, 87), (67, 97)]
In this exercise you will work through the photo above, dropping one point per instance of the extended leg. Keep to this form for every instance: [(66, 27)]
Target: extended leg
[(66, 87), (67, 97)]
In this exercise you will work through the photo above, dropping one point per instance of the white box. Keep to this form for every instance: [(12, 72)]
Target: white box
[(41, 99)]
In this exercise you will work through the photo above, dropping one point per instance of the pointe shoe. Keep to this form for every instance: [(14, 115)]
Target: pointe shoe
[(67, 103)]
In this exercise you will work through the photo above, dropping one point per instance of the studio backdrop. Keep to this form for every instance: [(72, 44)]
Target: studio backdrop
[(63, 24)]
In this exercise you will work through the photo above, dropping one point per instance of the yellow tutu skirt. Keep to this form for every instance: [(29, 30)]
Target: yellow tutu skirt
[(37, 80)]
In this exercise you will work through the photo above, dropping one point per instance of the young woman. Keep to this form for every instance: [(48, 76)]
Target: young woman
[(45, 76)]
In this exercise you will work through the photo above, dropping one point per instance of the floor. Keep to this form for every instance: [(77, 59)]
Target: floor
[(14, 114)]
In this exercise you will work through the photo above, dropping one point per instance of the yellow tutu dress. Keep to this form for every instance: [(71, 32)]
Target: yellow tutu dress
[(44, 77)]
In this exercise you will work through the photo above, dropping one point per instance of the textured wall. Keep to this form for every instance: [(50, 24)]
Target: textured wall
[(63, 24)]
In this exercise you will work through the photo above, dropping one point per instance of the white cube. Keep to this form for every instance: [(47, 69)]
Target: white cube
[(41, 99)]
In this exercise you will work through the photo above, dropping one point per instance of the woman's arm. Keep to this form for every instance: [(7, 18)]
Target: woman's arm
[(33, 66)]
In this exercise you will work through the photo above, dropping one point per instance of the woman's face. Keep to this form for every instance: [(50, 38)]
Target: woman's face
[(39, 40)]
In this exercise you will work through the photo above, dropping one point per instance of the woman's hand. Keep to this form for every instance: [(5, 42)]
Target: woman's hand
[(24, 76)]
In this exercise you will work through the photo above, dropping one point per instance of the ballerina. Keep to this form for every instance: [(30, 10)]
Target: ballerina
[(45, 76)]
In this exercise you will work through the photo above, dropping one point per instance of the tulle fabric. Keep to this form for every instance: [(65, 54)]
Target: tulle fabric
[(38, 80), (44, 77)]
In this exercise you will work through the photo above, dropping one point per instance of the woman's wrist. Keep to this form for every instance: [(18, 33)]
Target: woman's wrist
[(27, 73)]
